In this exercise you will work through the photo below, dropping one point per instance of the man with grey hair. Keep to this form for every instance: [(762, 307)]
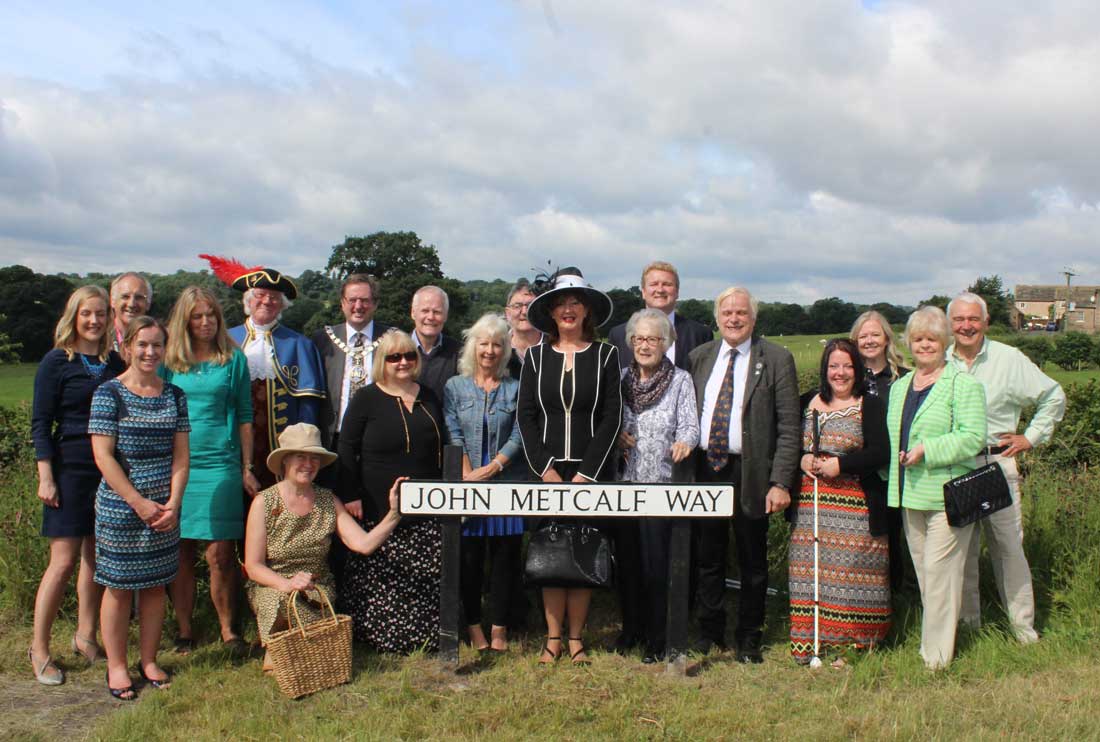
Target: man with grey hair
[(524, 334), (1011, 382), (438, 353), (131, 296), (750, 435)]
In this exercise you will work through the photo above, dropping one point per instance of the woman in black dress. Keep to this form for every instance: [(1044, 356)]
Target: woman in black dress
[(393, 427), (569, 412), (80, 361)]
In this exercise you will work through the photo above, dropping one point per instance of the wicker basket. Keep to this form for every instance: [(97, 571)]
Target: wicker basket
[(312, 657)]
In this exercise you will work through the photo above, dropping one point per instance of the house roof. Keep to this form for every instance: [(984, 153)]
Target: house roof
[(1082, 296)]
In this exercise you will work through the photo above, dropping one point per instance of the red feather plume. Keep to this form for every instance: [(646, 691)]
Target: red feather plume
[(228, 269)]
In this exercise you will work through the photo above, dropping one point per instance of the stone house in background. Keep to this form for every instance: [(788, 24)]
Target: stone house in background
[(1075, 308)]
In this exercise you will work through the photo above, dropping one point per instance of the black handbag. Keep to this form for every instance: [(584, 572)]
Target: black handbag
[(569, 555), (976, 494)]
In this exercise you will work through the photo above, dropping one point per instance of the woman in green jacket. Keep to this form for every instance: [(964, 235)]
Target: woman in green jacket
[(937, 426)]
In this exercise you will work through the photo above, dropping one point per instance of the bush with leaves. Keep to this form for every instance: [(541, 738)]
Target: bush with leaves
[(1073, 351), (1076, 440)]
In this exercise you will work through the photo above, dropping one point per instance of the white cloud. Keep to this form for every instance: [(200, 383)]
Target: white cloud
[(804, 149)]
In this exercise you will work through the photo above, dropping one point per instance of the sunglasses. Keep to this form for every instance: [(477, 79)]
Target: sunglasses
[(408, 355)]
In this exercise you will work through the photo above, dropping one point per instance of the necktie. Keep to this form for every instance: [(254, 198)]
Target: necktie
[(718, 444), (358, 375)]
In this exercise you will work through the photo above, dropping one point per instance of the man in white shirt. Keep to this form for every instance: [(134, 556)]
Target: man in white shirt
[(347, 352), (131, 296), (750, 436)]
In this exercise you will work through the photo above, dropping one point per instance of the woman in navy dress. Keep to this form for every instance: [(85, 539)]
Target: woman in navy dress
[(81, 359), (139, 430)]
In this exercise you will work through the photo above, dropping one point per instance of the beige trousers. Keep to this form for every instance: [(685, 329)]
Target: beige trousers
[(939, 556), (1004, 535)]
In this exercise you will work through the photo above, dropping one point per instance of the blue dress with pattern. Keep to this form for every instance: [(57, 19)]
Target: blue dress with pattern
[(129, 554)]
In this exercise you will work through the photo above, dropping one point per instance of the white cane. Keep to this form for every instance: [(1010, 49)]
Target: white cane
[(816, 660)]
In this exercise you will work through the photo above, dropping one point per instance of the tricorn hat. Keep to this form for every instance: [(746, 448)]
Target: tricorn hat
[(298, 438), (568, 280), (243, 278)]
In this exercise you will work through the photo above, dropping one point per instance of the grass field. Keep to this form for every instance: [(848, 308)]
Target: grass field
[(16, 383)]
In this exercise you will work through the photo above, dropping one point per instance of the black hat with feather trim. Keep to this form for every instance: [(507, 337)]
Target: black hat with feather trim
[(567, 280), (235, 274)]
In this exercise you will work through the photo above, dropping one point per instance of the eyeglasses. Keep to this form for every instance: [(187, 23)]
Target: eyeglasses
[(650, 340), (358, 300), (408, 355), (517, 306)]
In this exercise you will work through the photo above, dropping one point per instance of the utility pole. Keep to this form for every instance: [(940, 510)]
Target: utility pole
[(1068, 273)]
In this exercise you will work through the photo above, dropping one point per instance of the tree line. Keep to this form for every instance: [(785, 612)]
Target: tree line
[(31, 302)]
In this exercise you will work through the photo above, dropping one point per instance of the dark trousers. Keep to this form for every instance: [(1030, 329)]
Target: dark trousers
[(712, 538), (628, 575), (503, 564), (655, 535)]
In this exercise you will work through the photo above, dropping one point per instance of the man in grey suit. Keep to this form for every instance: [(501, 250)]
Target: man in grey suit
[(661, 290), (346, 350), (750, 436)]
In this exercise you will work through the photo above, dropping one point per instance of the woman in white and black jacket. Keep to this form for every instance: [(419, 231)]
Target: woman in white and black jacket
[(569, 412)]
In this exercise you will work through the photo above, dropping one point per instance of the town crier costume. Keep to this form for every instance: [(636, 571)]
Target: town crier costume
[(288, 378)]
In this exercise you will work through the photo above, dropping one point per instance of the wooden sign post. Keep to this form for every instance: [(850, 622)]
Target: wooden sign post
[(452, 499)]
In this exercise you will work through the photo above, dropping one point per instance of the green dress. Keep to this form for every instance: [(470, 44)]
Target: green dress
[(218, 400), (295, 543)]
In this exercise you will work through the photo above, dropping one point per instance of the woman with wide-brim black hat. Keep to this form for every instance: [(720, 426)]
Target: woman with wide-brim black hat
[(569, 412)]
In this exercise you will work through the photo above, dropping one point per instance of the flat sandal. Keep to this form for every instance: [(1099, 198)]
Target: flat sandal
[(47, 673)]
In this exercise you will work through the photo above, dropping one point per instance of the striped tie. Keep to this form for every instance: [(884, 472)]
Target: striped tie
[(718, 444)]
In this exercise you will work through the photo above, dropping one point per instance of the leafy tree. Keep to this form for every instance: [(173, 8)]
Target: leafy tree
[(30, 305), (997, 300), (782, 319), (317, 285), (832, 315), (937, 300), (1036, 347), (9, 351), (301, 312), (625, 302), (894, 314), (403, 264), (1072, 350), (167, 290), (698, 310)]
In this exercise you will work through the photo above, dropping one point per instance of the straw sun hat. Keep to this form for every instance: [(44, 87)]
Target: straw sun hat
[(298, 438)]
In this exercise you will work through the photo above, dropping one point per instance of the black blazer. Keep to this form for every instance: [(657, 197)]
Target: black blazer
[(864, 463), (588, 434), (771, 430), (689, 336), (334, 360)]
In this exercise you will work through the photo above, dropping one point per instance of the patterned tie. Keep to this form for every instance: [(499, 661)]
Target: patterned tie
[(718, 444), (358, 371)]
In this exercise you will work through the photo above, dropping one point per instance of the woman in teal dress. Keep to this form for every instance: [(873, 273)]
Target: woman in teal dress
[(213, 373)]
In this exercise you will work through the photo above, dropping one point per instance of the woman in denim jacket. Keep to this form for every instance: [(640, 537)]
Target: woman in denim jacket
[(479, 406)]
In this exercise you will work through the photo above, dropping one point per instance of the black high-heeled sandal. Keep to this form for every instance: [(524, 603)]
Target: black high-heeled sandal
[(158, 684), (573, 655), (120, 694), (547, 653)]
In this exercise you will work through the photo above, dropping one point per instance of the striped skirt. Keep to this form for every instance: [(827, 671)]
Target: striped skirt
[(853, 569), (130, 555)]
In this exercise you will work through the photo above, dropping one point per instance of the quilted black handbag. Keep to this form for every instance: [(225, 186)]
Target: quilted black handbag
[(569, 555), (976, 494)]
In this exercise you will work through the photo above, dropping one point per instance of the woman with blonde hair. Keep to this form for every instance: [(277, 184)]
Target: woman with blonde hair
[(80, 361), (392, 428), (882, 361), (206, 364), (479, 406)]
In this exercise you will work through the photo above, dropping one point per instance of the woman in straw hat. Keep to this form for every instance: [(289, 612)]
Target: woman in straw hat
[(569, 412), (290, 528)]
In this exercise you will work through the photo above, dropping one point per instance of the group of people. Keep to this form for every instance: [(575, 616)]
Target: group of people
[(157, 442)]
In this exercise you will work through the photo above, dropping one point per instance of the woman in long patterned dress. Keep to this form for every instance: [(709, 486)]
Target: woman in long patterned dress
[(202, 361), (290, 529), (660, 430), (80, 361), (853, 555), (393, 427), (139, 430), (479, 406)]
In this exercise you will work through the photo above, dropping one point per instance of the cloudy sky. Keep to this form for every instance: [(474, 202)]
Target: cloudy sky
[(873, 151)]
